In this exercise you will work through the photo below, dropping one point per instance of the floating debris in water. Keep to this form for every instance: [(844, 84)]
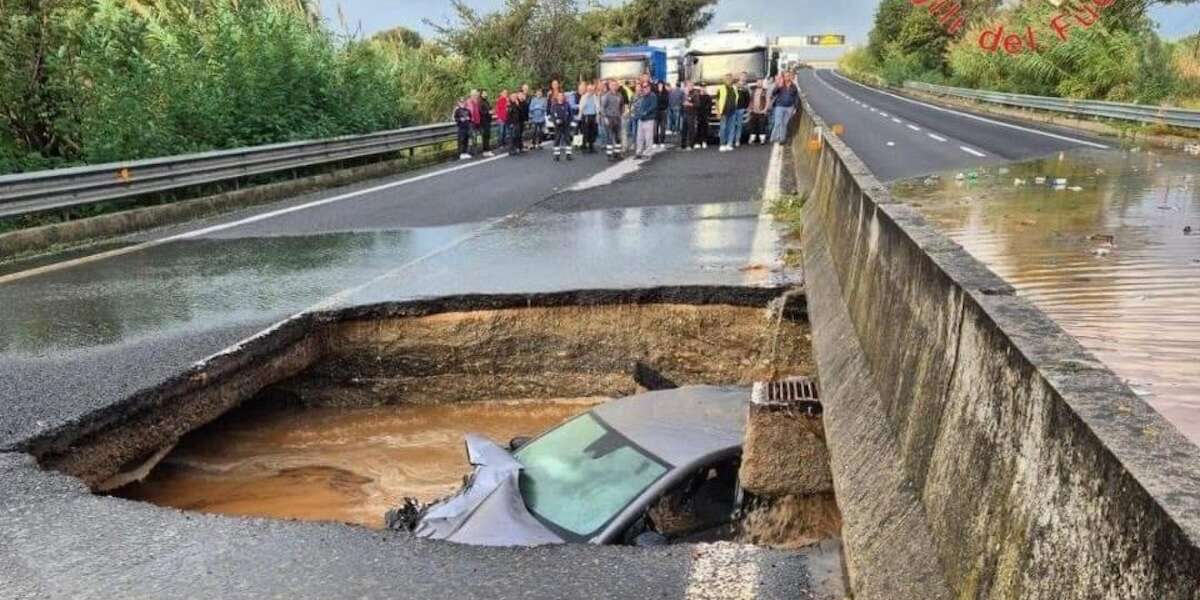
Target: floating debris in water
[(1187, 230), (1101, 252), (1039, 180), (1193, 149), (1018, 181), (1075, 188), (960, 177)]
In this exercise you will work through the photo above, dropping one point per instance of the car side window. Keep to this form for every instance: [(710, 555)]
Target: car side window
[(702, 502)]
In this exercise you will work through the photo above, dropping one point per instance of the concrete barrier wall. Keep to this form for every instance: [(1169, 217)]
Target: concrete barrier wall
[(978, 451)]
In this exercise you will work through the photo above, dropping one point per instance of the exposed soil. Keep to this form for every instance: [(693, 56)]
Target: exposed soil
[(547, 353)]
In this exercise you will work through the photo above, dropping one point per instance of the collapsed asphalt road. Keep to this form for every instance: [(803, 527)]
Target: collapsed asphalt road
[(59, 541), (81, 337)]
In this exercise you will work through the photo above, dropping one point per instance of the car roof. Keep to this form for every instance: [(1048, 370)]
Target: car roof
[(681, 425)]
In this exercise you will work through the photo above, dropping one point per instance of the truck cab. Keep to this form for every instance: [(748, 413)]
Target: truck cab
[(732, 50)]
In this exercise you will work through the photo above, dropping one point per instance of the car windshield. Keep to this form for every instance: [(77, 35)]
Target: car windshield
[(712, 68), (580, 475), (622, 69)]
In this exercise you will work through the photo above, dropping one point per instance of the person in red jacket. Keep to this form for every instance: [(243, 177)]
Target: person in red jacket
[(502, 117)]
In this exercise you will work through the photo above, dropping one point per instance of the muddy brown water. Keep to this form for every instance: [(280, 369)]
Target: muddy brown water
[(1110, 261), (335, 464)]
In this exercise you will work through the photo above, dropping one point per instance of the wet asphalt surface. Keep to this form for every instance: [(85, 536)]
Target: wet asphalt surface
[(78, 339), (900, 138)]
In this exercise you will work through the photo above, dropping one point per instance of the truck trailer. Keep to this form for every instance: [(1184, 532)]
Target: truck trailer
[(625, 63)]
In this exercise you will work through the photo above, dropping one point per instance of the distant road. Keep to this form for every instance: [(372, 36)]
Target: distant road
[(899, 137)]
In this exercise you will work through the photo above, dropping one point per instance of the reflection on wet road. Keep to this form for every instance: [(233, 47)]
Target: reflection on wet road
[(1106, 255), (331, 464)]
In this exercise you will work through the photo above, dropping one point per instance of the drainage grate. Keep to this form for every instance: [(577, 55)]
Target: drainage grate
[(794, 393)]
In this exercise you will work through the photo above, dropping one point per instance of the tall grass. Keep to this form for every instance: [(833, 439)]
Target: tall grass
[(102, 80)]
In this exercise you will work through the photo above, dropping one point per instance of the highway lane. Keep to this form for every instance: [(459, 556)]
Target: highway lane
[(899, 137), (78, 336)]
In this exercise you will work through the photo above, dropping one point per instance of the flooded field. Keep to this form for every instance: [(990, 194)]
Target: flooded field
[(1107, 243), (334, 464)]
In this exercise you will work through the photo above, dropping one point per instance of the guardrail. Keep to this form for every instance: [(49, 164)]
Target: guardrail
[(1159, 115), (27, 193)]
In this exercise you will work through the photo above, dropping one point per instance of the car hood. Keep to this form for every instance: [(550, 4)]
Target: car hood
[(489, 509)]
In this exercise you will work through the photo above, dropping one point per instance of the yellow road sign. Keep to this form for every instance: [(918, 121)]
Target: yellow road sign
[(828, 39)]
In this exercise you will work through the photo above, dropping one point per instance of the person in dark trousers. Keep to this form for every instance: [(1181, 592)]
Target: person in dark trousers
[(561, 115), (485, 123), (589, 117), (611, 109), (704, 113), (687, 124), (462, 118), (663, 96), (518, 116), (539, 108)]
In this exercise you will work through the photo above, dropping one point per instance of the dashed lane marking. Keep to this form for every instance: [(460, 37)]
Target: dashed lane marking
[(937, 137), (914, 128), (972, 151), (969, 115)]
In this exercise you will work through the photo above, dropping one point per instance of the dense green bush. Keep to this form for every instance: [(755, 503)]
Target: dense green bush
[(116, 79), (1120, 58)]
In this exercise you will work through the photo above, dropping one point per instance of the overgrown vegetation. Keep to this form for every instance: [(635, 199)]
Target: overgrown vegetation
[(88, 81), (1119, 58)]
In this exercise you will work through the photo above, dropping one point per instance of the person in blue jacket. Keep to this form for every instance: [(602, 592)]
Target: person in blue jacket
[(538, 107)]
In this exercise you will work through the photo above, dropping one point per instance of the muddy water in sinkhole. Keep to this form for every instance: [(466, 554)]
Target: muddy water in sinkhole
[(335, 464), (1106, 255)]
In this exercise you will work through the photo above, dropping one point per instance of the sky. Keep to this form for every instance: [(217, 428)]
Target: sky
[(776, 17)]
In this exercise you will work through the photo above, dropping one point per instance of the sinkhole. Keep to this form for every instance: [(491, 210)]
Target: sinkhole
[(341, 416)]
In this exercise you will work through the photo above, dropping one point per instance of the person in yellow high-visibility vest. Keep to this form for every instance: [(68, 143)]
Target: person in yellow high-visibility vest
[(727, 104)]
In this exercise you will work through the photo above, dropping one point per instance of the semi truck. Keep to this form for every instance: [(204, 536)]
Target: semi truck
[(631, 62), (733, 50)]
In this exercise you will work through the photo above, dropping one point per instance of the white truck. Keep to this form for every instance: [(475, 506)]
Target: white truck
[(733, 50)]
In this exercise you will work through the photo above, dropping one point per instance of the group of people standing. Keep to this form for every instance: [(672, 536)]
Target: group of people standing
[(631, 115)]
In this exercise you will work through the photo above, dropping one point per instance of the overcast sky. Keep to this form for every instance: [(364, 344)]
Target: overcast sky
[(777, 17)]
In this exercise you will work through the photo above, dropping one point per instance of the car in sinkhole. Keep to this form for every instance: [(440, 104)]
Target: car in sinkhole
[(655, 468)]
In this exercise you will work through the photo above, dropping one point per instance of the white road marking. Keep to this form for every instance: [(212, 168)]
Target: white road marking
[(971, 116), (724, 571), (937, 137), (883, 114), (891, 143), (613, 173), (773, 187), (972, 151), (914, 128), (254, 219), (897, 121)]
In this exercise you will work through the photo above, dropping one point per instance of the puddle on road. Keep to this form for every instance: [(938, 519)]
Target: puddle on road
[(1106, 255), (335, 464)]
